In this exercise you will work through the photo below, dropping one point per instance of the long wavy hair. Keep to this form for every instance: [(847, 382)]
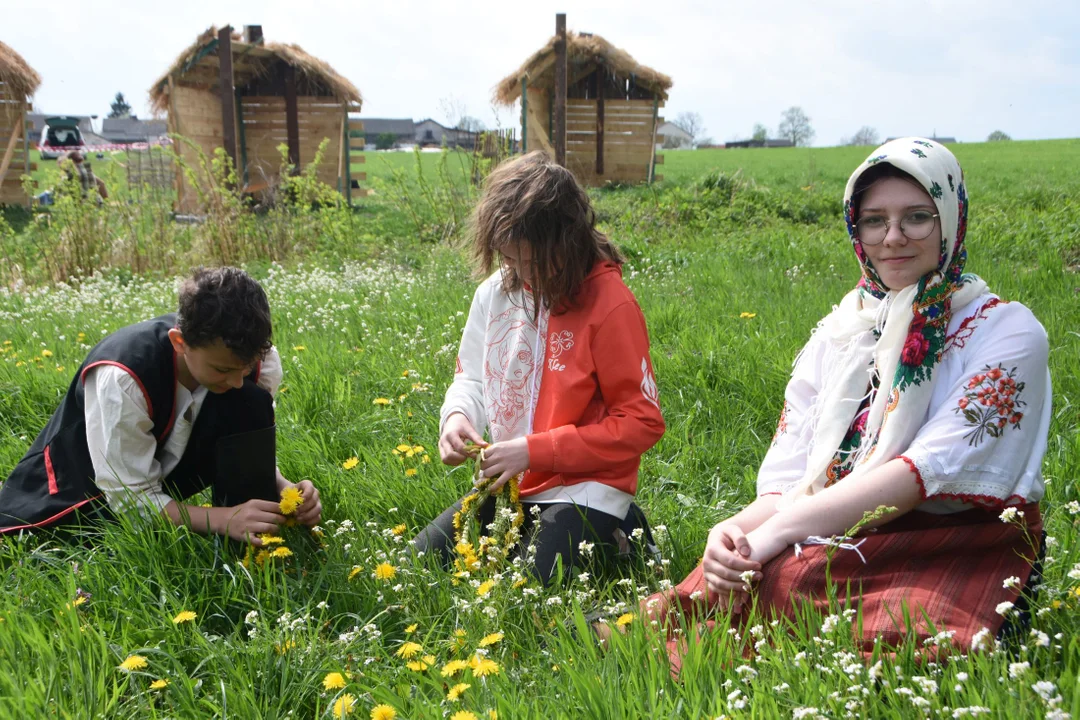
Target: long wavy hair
[(534, 203)]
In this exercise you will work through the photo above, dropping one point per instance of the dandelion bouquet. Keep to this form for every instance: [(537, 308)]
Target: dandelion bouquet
[(273, 546), (502, 534)]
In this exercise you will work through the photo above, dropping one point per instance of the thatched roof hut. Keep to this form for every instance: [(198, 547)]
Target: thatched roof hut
[(611, 108), (18, 81), (279, 94)]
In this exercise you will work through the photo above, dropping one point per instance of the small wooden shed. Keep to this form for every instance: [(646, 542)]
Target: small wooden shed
[(18, 82), (250, 96), (612, 109)]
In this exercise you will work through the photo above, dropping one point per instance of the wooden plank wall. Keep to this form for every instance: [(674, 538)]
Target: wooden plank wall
[(538, 121), (265, 130), (628, 140), (13, 134), (194, 113)]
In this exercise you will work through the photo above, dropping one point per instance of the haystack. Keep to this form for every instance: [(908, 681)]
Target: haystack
[(612, 108), (279, 94), (18, 81)]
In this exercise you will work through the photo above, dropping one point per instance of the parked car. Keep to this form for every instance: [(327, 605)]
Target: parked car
[(58, 136)]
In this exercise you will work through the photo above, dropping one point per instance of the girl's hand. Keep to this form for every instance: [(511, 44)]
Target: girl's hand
[(505, 459), (310, 511), (727, 557), (457, 431), (765, 545)]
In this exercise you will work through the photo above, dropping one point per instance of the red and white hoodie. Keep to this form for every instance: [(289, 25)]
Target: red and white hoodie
[(579, 385)]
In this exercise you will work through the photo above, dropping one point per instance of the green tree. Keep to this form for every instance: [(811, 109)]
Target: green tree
[(998, 136), (385, 141), (120, 107), (795, 126), (760, 134)]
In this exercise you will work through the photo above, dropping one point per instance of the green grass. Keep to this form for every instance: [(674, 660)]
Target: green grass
[(352, 331)]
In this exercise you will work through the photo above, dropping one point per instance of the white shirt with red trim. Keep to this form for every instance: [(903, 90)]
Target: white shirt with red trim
[(128, 466), (985, 433)]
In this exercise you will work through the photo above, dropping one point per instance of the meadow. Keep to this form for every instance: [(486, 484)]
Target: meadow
[(733, 258)]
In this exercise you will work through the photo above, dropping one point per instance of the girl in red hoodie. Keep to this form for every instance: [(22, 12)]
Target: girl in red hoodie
[(554, 363)]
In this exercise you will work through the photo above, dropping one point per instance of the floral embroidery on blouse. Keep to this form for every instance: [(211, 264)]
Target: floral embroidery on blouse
[(992, 403), (781, 427)]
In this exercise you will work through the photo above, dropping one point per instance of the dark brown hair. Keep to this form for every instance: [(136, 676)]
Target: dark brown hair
[(533, 202), (225, 303), (871, 176)]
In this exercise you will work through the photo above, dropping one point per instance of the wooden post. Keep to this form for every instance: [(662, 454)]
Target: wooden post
[(242, 171), (524, 117), (599, 84), (9, 152), (228, 93), (558, 139), (652, 147), (26, 147), (292, 124)]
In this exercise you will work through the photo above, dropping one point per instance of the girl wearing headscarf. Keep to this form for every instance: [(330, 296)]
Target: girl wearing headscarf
[(922, 399)]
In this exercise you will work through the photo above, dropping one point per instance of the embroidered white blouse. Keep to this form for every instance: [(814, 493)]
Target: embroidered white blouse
[(984, 436), (128, 466)]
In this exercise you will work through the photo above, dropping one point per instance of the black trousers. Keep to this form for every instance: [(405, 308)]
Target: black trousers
[(235, 471), (231, 450), (557, 533)]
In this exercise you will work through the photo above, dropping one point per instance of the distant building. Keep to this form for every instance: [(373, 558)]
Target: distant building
[(403, 130), (671, 136), (430, 133), (131, 130), (767, 143)]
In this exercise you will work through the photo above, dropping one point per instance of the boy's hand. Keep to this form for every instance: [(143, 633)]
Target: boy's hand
[(457, 431), (505, 459), (246, 521), (310, 511)]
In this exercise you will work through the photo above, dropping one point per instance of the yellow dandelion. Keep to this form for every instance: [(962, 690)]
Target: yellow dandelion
[(625, 619), (410, 472), (463, 715), (383, 712), (426, 459), (399, 529), (291, 498), (133, 663), (485, 587), (160, 684), (351, 463), (418, 449), (268, 539), (380, 401), (403, 448), (355, 571), (344, 705), (408, 650), (422, 664), (491, 639), (46, 353), (284, 647), (281, 552), (456, 691), (482, 667), (261, 557), (493, 714), (184, 617), (521, 583), (333, 681), (385, 571), (1056, 604), (402, 397), (59, 368), (299, 348), (411, 629), (747, 315), (453, 667), (1076, 591), (79, 600)]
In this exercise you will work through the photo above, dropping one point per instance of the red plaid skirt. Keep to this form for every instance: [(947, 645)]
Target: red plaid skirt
[(942, 572)]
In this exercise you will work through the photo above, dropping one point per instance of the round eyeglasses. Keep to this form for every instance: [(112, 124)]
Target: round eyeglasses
[(916, 225)]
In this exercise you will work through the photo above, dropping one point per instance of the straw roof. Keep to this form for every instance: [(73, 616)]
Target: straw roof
[(539, 70), (262, 56), (16, 73)]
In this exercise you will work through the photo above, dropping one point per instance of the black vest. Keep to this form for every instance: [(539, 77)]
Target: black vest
[(56, 476)]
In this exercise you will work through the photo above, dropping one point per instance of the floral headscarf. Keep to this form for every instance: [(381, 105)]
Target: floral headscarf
[(889, 341)]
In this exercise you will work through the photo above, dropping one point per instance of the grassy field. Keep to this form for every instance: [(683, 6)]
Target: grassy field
[(368, 339)]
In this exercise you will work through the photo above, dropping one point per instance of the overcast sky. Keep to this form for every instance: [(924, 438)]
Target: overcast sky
[(959, 68)]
